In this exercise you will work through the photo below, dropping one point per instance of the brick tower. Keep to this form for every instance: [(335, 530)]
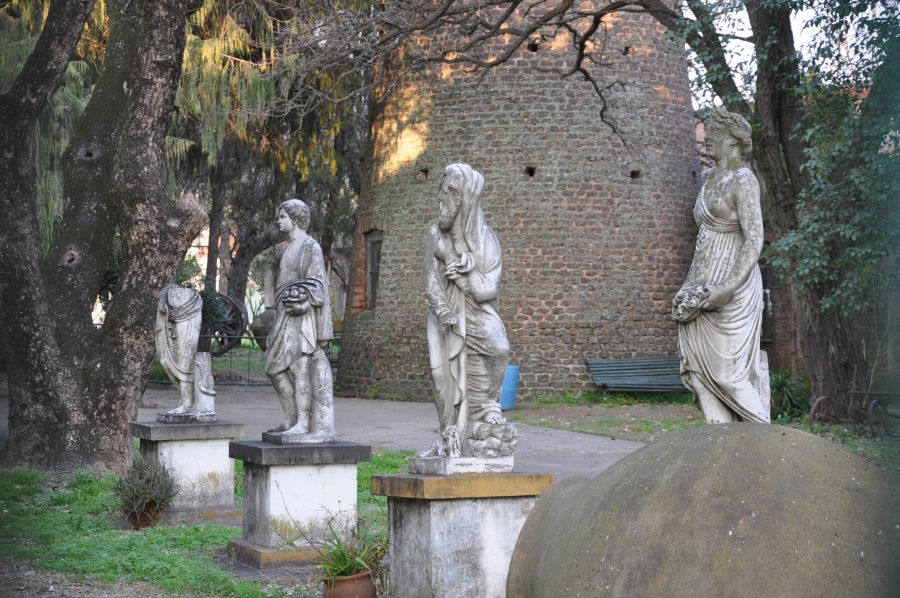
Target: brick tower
[(596, 226)]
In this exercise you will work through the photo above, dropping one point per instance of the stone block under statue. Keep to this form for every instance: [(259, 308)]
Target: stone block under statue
[(292, 494), (197, 455), (453, 536)]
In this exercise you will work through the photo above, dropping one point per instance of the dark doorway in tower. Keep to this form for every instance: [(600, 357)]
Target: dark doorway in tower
[(373, 264)]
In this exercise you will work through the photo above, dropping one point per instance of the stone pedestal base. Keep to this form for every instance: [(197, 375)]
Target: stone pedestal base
[(453, 536), (282, 438), (186, 418), (197, 455), (451, 466), (292, 493), (267, 558)]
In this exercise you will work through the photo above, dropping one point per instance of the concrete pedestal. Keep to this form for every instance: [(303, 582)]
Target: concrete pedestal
[(292, 493), (197, 455), (453, 536)]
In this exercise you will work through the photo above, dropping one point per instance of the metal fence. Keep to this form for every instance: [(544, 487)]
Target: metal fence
[(246, 364)]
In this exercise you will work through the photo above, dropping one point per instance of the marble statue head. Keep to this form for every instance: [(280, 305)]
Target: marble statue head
[(459, 197), (298, 211), (720, 123)]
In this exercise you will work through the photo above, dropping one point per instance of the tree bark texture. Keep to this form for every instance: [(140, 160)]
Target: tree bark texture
[(72, 411), (216, 217)]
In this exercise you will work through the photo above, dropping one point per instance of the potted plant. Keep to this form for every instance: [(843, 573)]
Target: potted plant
[(351, 561), (145, 490)]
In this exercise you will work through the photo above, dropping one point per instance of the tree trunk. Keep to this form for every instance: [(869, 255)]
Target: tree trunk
[(251, 242), (216, 216), (38, 376), (225, 257), (72, 411), (831, 343)]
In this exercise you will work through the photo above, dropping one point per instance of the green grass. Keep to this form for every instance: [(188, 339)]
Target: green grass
[(69, 530), (238, 478), (884, 451), (67, 526), (611, 400), (614, 425), (374, 508)]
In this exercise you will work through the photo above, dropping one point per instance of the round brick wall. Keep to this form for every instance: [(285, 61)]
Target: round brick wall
[(596, 228)]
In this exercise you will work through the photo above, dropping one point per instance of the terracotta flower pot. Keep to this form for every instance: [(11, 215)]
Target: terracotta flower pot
[(147, 518), (360, 585)]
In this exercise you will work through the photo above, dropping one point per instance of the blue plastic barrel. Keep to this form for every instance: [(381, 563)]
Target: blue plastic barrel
[(508, 389)]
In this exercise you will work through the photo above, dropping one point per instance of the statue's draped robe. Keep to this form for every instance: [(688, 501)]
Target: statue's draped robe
[(177, 331), (720, 349), (469, 358), (292, 337)]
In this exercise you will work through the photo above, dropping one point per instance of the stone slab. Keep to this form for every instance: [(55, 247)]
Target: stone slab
[(326, 453), (282, 438), (449, 466), (229, 515), (261, 557), (186, 418), (475, 485), (158, 431)]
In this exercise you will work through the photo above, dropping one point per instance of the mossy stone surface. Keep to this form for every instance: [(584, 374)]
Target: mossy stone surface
[(726, 510)]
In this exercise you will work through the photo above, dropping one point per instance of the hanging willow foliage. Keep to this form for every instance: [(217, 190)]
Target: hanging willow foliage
[(20, 25)]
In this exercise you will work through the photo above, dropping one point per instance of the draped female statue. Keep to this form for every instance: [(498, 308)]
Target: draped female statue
[(719, 306)]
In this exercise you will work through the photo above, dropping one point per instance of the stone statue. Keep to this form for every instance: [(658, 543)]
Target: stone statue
[(296, 362), (719, 306), (178, 321), (467, 342)]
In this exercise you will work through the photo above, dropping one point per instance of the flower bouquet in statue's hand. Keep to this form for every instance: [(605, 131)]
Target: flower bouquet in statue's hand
[(296, 300), (689, 302)]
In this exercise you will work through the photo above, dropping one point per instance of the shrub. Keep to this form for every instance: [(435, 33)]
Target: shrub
[(790, 395), (146, 488)]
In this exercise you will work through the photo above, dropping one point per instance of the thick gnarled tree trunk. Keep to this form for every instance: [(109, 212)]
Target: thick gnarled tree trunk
[(73, 389)]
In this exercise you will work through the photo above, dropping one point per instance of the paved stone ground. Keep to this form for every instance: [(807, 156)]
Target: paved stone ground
[(392, 425), (403, 425)]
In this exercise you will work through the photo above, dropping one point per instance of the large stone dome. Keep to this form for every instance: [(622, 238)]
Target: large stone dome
[(726, 510)]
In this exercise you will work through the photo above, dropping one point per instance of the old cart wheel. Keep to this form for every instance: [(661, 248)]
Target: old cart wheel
[(877, 418), (820, 410), (227, 334)]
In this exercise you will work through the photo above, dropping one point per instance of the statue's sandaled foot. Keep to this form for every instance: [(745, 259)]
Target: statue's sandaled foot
[(295, 430), (177, 410), (279, 428), (494, 419)]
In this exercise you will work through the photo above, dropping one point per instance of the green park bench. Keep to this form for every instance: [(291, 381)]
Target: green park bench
[(637, 374)]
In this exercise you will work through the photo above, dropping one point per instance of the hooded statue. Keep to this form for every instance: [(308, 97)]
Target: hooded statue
[(467, 343)]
